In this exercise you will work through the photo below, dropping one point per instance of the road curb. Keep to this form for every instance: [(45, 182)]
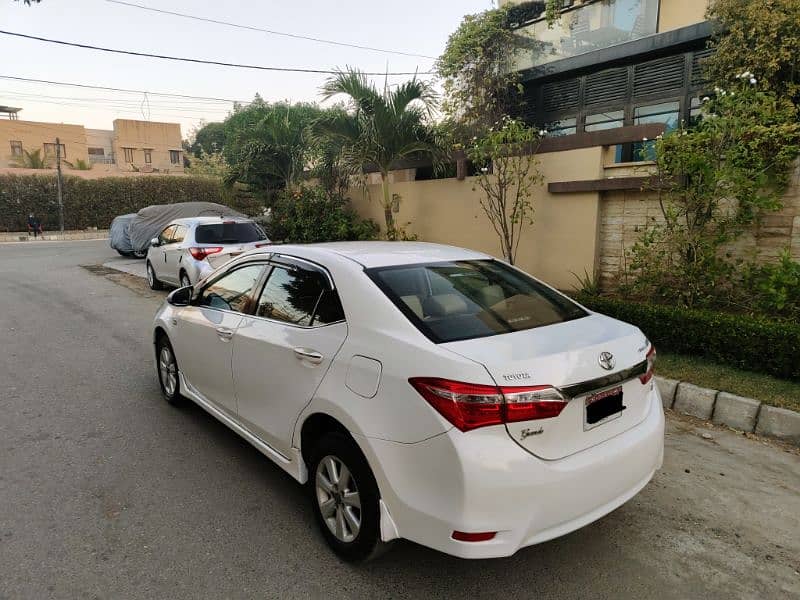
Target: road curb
[(736, 412)]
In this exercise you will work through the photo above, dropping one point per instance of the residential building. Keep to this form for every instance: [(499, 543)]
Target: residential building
[(131, 146), (608, 77)]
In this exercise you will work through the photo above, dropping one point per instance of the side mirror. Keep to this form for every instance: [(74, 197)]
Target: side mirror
[(181, 296), (155, 242)]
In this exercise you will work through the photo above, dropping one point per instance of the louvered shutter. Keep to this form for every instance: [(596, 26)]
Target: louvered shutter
[(606, 87), (561, 96), (657, 76), (698, 75)]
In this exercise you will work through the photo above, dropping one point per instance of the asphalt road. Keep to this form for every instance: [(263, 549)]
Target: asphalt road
[(108, 492)]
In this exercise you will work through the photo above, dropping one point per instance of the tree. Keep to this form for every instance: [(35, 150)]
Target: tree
[(32, 159), (209, 138), (380, 128), (211, 164), (762, 36), (79, 164), (713, 181), (508, 179), (477, 68)]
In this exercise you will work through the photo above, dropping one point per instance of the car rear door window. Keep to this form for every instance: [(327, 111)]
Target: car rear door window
[(299, 297), (233, 232), (467, 299), (232, 291)]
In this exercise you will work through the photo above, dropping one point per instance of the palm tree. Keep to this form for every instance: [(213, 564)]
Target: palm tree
[(79, 164), (31, 159), (380, 128)]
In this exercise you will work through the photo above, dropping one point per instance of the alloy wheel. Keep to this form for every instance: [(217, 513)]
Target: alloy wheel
[(168, 370), (185, 280), (150, 275), (338, 498)]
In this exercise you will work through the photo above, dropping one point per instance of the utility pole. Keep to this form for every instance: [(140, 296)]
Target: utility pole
[(60, 187)]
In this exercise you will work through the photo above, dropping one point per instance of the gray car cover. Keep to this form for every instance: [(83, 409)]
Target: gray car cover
[(151, 220), (118, 234)]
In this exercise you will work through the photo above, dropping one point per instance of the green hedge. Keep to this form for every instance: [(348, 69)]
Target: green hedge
[(95, 202), (745, 342)]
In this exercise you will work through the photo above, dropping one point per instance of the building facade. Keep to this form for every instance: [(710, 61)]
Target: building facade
[(607, 78), (131, 146)]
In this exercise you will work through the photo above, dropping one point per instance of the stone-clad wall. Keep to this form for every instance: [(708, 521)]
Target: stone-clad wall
[(624, 215)]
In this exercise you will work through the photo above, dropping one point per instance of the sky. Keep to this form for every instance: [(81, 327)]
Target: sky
[(411, 26)]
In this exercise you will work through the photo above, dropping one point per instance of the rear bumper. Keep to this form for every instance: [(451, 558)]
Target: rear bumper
[(483, 481)]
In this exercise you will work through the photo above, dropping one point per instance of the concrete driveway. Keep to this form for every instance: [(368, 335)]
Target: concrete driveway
[(108, 492)]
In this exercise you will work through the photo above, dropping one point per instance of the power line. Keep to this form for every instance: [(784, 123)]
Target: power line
[(269, 31), (113, 89), (194, 60)]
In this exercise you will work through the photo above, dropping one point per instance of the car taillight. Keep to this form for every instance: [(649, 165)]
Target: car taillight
[(651, 361), (263, 244), (470, 406), (201, 253)]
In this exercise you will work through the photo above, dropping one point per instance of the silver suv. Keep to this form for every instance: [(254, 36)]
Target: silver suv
[(189, 249)]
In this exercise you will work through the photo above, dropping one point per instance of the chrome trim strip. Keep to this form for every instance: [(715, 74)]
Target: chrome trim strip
[(581, 389)]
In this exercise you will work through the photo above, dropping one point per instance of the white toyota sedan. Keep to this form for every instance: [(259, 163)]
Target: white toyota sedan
[(420, 391)]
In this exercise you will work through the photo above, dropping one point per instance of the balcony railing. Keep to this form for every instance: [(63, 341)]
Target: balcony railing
[(588, 27), (101, 160)]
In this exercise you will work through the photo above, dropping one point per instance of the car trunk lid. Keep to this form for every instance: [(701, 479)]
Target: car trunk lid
[(567, 356)]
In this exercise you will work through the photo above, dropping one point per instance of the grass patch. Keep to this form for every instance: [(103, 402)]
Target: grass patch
[(705, 373)]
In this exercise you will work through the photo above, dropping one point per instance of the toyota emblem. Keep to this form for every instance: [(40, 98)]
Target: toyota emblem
[(606, 360)]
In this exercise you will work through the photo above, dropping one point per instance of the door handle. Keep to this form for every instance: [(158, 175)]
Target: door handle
[(309, 355), (224, 334)]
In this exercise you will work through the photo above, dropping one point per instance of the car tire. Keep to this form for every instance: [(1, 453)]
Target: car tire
[(152, 280), (139, 254), (184, 279), (167, 368), (353, 533)]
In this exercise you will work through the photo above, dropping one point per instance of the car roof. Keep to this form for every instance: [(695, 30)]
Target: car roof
[(380, 254), (208, 220)]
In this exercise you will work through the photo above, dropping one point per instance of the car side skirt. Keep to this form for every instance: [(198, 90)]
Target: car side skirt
[(294, 465)]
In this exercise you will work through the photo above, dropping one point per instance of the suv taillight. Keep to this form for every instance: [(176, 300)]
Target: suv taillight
[(201, 253), (470, 406), (651, 361)]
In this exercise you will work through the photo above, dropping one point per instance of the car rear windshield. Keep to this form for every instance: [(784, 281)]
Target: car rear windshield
[(469, 299), (229, 233)]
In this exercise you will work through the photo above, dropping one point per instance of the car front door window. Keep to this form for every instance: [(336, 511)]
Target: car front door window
[(165, 237), (233, 290)]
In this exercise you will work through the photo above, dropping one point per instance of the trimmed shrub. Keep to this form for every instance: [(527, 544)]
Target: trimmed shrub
[(95, 202), (308, 215), (742, 341)]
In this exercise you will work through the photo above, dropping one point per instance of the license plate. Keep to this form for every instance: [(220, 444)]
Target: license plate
[(602, 407)]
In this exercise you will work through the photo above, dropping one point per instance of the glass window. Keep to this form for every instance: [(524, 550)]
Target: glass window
[(232, 232), (16, 148), (175, 157), (329, 309), (590, 26), (166, 236), (50, 150), (148, 156), (605, 120), (469, 299), (179, 235), (97, 151), (667, 113), (232, 290), (695, 111), (563, 127), (128, 154), (291, 296)]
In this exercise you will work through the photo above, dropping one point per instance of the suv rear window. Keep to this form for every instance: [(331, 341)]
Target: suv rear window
[(469, 299), (229, 233)]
